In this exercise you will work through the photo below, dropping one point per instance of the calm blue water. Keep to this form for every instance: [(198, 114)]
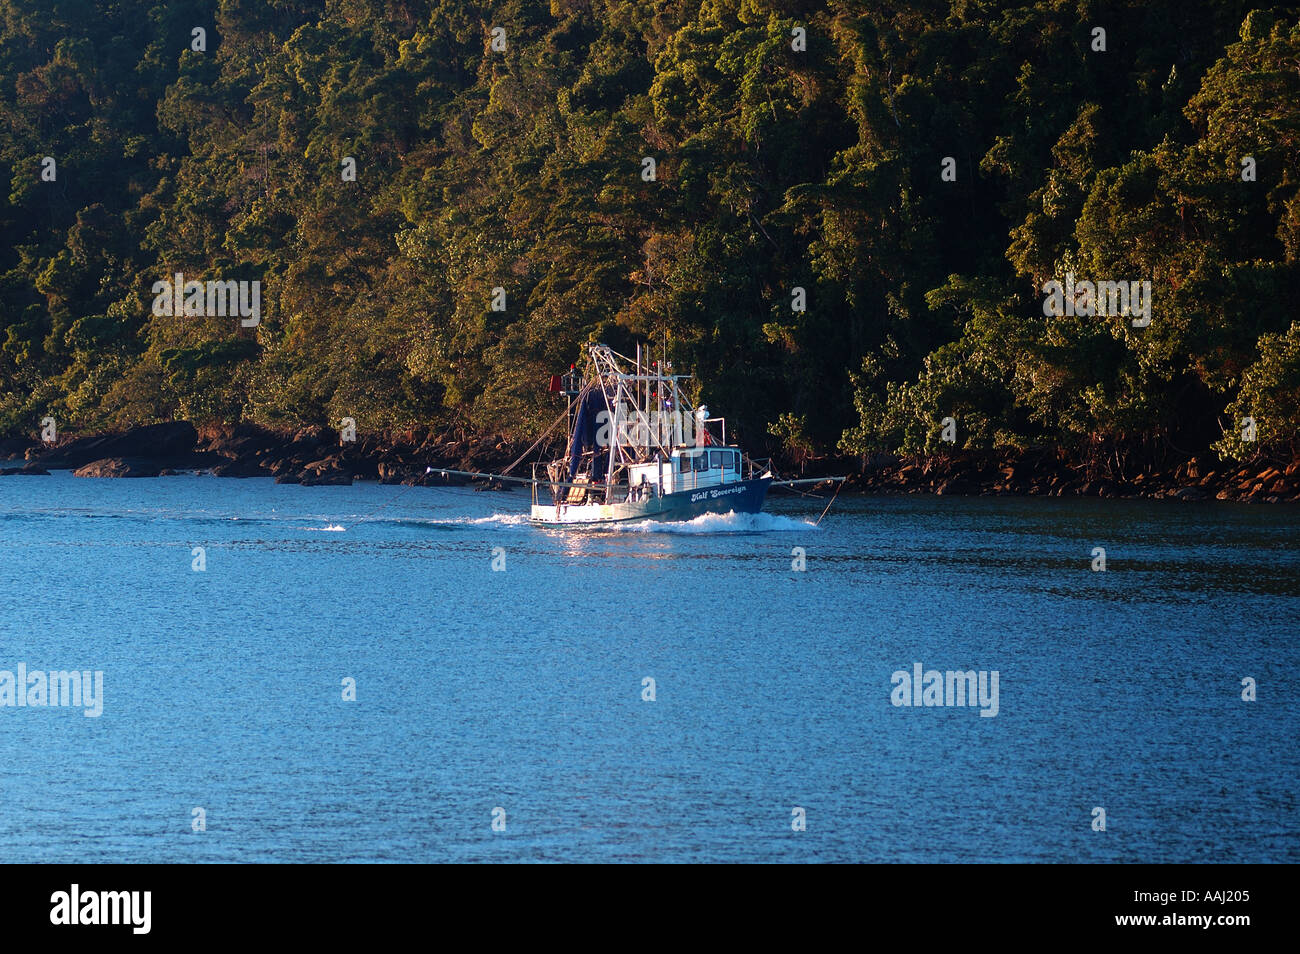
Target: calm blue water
[(522, 689)]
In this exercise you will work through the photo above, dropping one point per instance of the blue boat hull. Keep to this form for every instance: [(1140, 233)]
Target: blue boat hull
[(742, 496)]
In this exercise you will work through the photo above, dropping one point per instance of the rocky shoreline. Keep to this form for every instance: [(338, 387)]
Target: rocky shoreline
[(312, 456), (315, 456), (1051, 473)]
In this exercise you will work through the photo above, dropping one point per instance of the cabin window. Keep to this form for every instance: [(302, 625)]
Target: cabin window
[(701, 461), (684, 463), (715, 459)]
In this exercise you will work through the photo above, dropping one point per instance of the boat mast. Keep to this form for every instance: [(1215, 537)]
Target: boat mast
[(636, 402), (611, 422)]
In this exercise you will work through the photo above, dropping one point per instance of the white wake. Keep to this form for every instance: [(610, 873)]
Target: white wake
[(730, 522)]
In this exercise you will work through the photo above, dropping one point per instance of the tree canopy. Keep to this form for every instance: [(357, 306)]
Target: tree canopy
[(684, 172)]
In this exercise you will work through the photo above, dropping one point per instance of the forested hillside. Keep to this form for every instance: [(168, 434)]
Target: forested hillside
[(795, 146)]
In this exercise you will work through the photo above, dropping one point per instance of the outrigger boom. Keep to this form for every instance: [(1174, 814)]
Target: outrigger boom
[(483, 475), (809, 480)]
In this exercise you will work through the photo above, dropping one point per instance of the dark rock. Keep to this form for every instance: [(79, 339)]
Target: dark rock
[(157, 442), (240, 468), (394, 472), (16, 448), (326, 478), (247, 445), (197, 461), (362, 459), (326, 472), (315, 436), (1096, 488), (280, 465), (118, 467), (324, 464)]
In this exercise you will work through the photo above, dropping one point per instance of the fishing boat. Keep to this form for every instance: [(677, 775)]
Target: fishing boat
[(637, 449)]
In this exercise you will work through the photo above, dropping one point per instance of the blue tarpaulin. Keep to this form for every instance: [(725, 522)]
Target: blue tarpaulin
[(590, 404)]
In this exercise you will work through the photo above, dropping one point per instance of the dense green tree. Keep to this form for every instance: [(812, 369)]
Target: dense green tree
[(918, 168)]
